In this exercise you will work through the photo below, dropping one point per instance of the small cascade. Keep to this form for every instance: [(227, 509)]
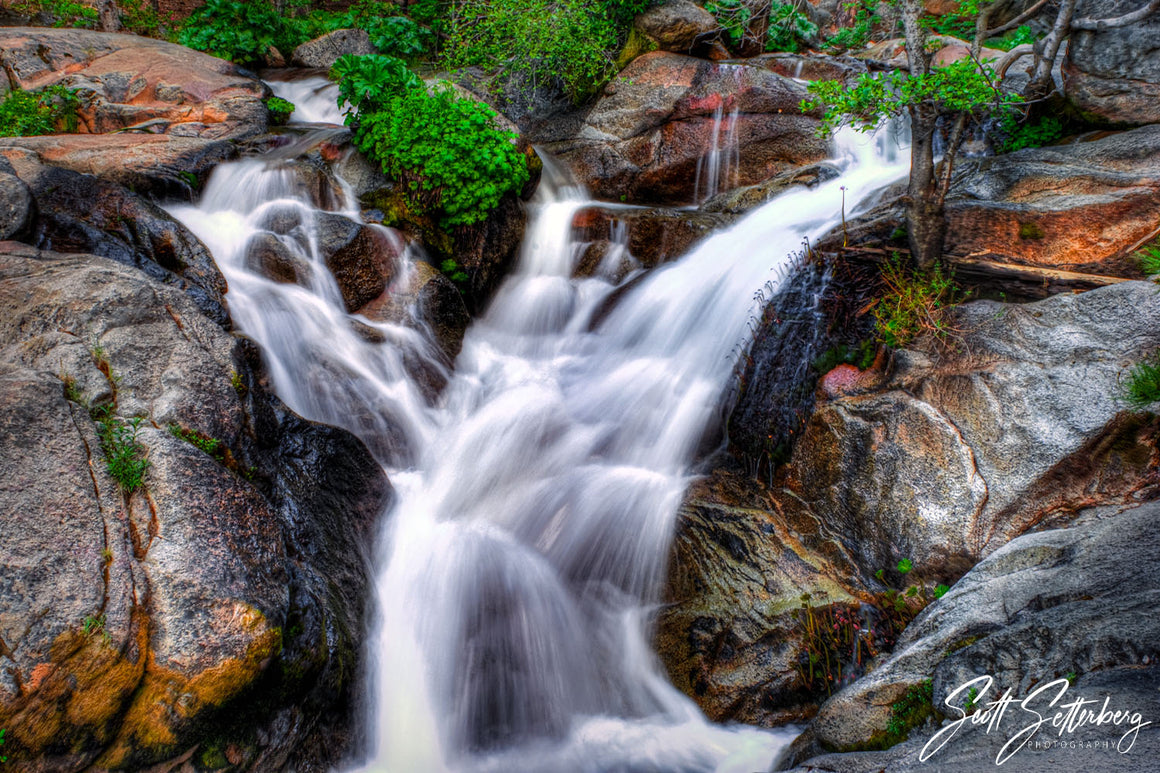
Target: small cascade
[(519, 571), (315, 99), (717, 168)]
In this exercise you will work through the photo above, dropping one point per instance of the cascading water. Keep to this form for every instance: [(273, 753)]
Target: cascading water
[(718, 166), (525, 555)]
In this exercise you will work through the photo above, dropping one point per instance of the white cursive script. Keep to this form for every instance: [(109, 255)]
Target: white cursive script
[(1037, 707)]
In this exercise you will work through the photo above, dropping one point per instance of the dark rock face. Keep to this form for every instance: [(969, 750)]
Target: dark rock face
[(16, 206), (426, 297), (642, 140), (322, 52), (1076, 601), (158, 165), (80, 213), (217, 607), (938, 459), (1113, 76), (362, 258), (128, 80)]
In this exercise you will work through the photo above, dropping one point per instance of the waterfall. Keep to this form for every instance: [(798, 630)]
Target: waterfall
[(518, 573)]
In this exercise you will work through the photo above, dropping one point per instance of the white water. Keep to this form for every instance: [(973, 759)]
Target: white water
[(717, 168), (518, 572)]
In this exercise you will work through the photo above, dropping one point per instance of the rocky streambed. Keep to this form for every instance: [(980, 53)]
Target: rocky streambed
[(214, 617)]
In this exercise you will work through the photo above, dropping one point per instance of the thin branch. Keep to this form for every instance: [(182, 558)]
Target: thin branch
[(1011, 57), (1018, 19), (1116, 21)]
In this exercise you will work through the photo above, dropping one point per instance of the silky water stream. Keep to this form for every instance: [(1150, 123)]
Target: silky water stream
[(524, 558)]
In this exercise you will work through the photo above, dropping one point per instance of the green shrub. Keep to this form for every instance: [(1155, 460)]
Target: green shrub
[(26, 113), (789, 29), (1141, 390), (453, 160), (279, 109), (1014, 134), (239, 30), (1015, 37), (733, 17), (124, 455), (533, 43), (1149, 259), (911, 710), (64, 13), (914, 302), (210, 445), (858, 34)]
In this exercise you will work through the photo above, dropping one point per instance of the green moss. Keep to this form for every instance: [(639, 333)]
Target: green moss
[(912, 710), (1031, 231)]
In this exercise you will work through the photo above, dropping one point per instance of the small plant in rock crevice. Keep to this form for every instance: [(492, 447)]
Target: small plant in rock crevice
[(124, 455), (280, 110), (1140, 390), (915, 302), (1149, 259)]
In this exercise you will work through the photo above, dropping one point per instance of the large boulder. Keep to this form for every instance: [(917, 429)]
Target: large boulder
[(162, 166), (940, 458), (1069, 611), (324, 51), (1113, 76), (362, 258), (84, 214), (16, 205), (213, 611), (126, 80), (943, 457), (646, 137), (1082, 207), (678, 25)]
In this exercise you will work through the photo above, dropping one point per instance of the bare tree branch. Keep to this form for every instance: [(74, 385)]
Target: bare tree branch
[(1017, 20), (1116, 21), (1012, 56)]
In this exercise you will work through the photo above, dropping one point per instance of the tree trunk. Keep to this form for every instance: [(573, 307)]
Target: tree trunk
[(926, 225), (109, 16)]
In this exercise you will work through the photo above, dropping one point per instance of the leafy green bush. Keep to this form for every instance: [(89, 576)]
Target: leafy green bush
[(26, 113), (789, 29), (1142, 387), (124, 455), (279, 109), (1149, 259), (533, 43), (64, 13), (1015, 37), (733, 16), (239, 30), (371, 83), (914, 302), (858, 34), (959, 86), (1014, 134)]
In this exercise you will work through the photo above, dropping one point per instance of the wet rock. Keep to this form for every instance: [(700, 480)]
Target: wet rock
[(220, 603), (741, 200), (653, 236), (267, 255), (362, 258), (83, 214), (678, 25), (643, 139), (126, 80), (810, 67), (950, 455), (322, 52), (159, 165), (1066, 603), (15, 205), (728, 633), (426, 298), (1113, 76)]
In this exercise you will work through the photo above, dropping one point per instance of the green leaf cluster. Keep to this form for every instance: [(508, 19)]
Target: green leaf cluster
[(789, 29), (27, 113), (958, 87), (914, 302), (64, 13), (857, 35), (124, 455), (454, 161), (239, 30), (1141, 389), (1014, 134), (533, 43), (280, 110), (733, 17)]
